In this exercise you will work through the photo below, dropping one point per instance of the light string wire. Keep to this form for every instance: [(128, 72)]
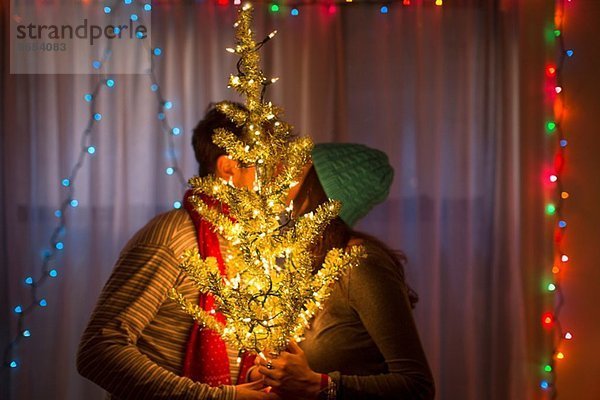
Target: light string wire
[(332, 5), (56, 244), (164, 105), (87, 149), (556, 209)]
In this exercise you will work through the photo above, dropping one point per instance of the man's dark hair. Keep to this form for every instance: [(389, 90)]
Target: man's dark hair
[(205, 150)]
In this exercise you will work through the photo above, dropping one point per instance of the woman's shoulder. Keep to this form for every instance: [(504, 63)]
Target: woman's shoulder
[(379, 263), (377, 252)]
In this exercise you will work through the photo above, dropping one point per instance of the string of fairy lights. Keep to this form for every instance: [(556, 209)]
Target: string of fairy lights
[(293, 8), (48, 268), (559, 196), (56, 242), (332, 7)]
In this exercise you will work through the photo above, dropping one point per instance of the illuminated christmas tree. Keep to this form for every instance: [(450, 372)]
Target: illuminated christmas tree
[(269, 292)]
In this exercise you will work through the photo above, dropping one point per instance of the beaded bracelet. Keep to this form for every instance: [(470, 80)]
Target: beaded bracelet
[(328, 388)]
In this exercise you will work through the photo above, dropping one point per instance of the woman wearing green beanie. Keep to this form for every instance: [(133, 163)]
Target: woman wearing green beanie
[(364, 343)]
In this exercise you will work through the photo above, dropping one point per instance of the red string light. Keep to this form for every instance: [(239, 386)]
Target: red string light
[(547, 319)]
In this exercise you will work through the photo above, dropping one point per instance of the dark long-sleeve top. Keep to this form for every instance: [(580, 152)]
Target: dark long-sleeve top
[(365, 337), (135, 342)]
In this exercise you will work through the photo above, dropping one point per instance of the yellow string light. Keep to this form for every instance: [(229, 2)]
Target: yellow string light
[(269, 292)]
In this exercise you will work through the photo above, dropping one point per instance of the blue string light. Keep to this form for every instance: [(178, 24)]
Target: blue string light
[(170, 171), (68, 184), (570, 53), (55, 244), (165, 105), (384, 9), (563, 143), (294, 12)]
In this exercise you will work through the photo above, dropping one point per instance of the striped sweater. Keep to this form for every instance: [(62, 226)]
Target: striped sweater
[(134, 344)]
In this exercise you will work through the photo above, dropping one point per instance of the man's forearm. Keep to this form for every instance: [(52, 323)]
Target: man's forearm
[(126, 373)]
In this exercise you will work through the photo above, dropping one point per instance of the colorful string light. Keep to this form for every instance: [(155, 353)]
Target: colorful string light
[(331, 7), (87, 149), (555, 208)]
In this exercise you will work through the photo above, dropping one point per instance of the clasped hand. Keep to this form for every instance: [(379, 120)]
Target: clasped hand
[(289, 375)]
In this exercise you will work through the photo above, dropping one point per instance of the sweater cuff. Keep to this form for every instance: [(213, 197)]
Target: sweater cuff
[(328, 388), (336, 378), (228, 392)]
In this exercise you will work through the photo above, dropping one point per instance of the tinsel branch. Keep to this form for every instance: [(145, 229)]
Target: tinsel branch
[(268, 292)]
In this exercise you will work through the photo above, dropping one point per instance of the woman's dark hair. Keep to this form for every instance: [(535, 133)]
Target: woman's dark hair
[(205, 150), (338, 234)]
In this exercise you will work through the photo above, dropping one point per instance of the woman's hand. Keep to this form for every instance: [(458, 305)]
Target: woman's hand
[(290, 376), (254, 391), (253, 374)]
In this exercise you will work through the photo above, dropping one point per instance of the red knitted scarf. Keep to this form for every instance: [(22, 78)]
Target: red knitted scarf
[(206, 357)]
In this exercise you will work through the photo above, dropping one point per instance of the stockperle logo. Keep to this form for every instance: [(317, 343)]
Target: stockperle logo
[(79, 37)]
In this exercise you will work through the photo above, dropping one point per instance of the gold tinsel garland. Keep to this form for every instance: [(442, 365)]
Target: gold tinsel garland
[(269, 293)]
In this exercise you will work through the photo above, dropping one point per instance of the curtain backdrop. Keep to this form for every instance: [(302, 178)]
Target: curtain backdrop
[(436, 88)]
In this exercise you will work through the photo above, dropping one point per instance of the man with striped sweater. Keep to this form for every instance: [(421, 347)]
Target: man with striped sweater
[(138, 343)]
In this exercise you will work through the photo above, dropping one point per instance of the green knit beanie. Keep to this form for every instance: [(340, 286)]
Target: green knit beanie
[(356, 175)]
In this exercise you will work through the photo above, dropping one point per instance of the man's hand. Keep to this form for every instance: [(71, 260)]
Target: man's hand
[(289, 374), (254, 391)]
